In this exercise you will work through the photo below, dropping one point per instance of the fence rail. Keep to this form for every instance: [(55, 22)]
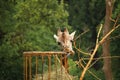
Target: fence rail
[(40, 58)]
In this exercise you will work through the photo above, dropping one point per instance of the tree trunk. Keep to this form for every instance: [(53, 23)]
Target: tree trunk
[(106, 51)]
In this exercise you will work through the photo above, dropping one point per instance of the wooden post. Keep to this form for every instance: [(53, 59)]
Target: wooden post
[(36, 68), (61, 65), (42, 67), (49, 66), (26, 72), (56, 65), (24, 68), (30, 67)]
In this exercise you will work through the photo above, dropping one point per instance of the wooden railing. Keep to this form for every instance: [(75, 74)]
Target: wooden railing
[(39, 59)]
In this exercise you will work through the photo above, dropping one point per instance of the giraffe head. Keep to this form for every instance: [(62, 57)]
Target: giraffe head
[(65, 39)]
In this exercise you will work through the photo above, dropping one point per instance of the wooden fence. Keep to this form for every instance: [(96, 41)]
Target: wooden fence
[(39, 59)]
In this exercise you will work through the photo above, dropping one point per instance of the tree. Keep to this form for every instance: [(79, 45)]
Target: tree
[(106, 44), (27, 25), (86, 15), (90, 10)]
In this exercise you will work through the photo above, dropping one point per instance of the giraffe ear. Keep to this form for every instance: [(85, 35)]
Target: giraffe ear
[(72, 35), (56, 37)]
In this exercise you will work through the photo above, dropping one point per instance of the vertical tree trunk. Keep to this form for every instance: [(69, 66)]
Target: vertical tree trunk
[(106, 51)]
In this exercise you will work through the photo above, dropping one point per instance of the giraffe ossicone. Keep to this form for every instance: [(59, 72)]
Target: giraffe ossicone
[(65, 39)]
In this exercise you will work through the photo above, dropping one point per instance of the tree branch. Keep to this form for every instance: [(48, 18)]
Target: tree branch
[(95, 49)]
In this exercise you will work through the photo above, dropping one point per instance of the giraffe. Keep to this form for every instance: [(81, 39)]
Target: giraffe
[(64, 39)]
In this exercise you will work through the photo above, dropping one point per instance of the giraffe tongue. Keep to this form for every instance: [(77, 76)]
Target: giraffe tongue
[(68, 54)]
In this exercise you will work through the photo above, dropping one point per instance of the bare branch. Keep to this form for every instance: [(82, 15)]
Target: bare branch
[(96, 48), (99, 33), (104, 38), (80, 50), (81, 35)]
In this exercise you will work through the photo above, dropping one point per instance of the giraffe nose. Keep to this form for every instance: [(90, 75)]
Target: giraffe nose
[(67, 50)]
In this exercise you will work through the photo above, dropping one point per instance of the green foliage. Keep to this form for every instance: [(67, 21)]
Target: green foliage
[(94, 75), (28, 25), (75, 71), (115, 42), (86, 15), (47, 13), (40, 19), (73, 67), (116, 9), (117, 74)]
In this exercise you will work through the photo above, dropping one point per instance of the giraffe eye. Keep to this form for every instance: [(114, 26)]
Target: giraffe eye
[(71, 40), (59, 43)]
